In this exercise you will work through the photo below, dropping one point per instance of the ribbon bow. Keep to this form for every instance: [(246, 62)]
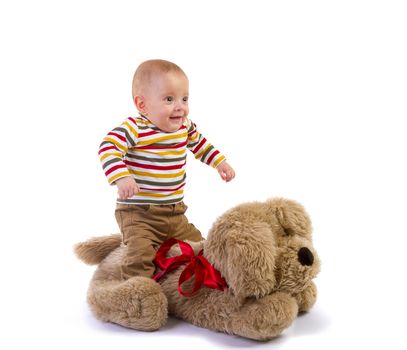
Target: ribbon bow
[(205, 273)]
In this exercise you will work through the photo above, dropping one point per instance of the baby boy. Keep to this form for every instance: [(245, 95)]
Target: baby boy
[(146, 158)]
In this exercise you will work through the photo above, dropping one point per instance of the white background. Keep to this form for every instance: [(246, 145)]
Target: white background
[(307, 100)]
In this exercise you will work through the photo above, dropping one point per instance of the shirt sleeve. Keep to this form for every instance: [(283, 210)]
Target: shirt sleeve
[(114, 147), (202, 149)]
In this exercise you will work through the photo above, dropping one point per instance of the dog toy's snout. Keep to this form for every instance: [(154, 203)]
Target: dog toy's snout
[(305, 256)]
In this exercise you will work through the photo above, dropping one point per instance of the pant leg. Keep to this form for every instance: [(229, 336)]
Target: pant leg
[(181, 228), (141, 238), (139, 258)]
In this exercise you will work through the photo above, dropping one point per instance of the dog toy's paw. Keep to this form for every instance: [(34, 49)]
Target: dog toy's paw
[(307, 298), (267, 316), (137, 303)]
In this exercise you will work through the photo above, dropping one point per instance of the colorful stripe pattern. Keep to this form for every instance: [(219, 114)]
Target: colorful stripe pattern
[(155, 159)]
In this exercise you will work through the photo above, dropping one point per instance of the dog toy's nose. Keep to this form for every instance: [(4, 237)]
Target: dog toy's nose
[(305, 257)]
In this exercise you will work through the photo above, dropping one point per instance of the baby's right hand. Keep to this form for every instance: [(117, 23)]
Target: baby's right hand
[(127, 187)]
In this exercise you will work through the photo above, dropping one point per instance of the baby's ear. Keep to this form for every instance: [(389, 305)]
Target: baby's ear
[(140, 103), (291, 216), (244, 253)]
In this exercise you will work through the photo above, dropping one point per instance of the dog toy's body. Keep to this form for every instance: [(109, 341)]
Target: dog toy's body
[(263, 250)]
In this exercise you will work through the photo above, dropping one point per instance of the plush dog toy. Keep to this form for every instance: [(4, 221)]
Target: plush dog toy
[(262, 251)]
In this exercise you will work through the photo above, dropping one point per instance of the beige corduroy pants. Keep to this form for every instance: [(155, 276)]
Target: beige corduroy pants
[(145, 227)]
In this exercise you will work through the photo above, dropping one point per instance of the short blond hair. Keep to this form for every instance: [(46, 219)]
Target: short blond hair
[(147, 70)]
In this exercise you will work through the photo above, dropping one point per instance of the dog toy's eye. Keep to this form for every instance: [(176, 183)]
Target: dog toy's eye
[(305, 256)]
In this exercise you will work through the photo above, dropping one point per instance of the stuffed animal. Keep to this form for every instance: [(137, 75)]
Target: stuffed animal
[(260, 253)]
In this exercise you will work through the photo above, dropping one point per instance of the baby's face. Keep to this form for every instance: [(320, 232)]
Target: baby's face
[(166, 101)]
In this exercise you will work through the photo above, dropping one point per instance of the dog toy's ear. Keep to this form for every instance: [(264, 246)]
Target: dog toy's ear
[(291, 216), (244, 253)]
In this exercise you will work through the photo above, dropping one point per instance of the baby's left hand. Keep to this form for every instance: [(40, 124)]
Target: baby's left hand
[(225, 171)]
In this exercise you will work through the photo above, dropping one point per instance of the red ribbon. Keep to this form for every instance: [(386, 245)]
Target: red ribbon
[(205, 273)]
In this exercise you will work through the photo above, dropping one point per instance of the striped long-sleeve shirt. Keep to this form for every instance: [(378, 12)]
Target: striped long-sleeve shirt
[(155, 159)]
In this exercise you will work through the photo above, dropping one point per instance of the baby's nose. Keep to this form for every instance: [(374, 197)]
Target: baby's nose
[(305, 256)]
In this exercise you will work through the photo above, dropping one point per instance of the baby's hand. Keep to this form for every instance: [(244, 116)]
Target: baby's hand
[(127, 187), (225, 171)]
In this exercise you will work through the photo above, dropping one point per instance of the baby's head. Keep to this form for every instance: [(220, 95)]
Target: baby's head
[(160, 92)]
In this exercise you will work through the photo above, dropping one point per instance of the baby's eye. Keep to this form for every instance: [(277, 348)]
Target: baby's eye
[(169, 98), (185, 99)]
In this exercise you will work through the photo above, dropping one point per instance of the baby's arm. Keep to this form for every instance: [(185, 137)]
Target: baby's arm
[(112, 151), (208, 154)]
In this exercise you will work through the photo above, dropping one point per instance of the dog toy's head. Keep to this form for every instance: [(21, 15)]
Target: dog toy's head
[(263, 247)]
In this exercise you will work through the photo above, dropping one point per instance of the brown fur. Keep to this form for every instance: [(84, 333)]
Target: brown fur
[(94, 250), (255, 246)]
